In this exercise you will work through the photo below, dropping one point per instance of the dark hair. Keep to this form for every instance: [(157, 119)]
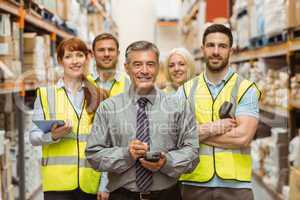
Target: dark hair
[(141, 46), (105, 36), (218, 28), (72, 44)]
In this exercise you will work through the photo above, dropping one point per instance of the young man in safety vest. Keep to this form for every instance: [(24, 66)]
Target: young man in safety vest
[(224, 170), (105, 75)]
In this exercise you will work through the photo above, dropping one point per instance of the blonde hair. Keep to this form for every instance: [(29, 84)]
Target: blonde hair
[(188, 58)]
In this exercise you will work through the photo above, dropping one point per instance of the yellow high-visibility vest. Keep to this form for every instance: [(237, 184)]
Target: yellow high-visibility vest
[(64, 166), (227, 164), (117, 86)]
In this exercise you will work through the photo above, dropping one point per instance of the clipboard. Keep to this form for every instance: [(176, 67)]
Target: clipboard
[(46, 125)]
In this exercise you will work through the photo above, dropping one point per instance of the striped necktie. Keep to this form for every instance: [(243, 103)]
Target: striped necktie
[(143, 176)]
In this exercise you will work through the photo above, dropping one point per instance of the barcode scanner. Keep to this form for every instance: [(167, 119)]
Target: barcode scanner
[(225, 109)]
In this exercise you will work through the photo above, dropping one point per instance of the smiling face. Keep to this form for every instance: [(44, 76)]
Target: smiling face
[(74, 63), (142, 67), (216, 51), (106, 54), (177, 69)]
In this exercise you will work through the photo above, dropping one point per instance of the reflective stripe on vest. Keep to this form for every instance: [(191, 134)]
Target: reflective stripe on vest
[(229, 164), (117, 86), (64, 166), (66, 160)]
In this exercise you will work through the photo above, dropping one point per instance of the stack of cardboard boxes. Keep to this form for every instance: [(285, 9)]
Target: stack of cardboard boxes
[(33, 155), (10, 66), (270, 158), (275, 89), (295, 91), (6, 186), (272, 82), (255, 18), (35, 57)]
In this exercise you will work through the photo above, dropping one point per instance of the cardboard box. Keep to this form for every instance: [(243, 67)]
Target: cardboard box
[(16, 68), (5, 25), (2, 124), (294, 184), (2, 133), (293, 10), (6, 47), (29, 58), (5, 68), (29, 42)]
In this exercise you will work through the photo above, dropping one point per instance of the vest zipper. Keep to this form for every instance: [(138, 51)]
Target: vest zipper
[(77, 134), (212, 115)]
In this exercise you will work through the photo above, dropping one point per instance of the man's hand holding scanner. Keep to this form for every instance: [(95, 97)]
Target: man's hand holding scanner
[(138, 150), (154, 166)]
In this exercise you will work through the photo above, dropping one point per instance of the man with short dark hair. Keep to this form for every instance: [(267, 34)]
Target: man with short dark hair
[(105, 74), (129, 127), (226, 109)]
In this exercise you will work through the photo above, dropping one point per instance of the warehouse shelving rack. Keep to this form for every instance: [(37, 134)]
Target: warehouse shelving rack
[(286, 49), (26, 19), (29, 21), (280, 116)]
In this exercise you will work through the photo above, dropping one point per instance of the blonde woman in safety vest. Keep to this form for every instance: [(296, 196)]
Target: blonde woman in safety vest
[(179, 68), (66, 173), (224, 170)]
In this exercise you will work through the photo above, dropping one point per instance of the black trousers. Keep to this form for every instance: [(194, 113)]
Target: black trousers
[(172, 193), (69, 195)]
